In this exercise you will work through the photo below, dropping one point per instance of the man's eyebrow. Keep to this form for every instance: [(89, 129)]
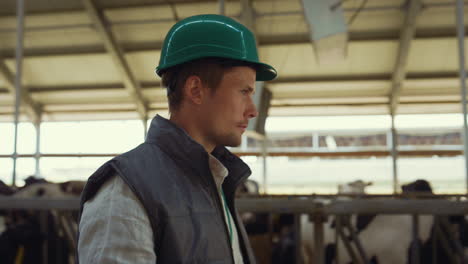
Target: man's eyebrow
[(250, 88)]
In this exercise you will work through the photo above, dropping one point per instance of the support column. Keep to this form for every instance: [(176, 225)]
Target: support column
[(462, 74), (264, 156), (222, 10), (37, 156), (18, 76), (315, 141), (394, 152), (145, 128), (244, 143), (415, 247), (318, 219)]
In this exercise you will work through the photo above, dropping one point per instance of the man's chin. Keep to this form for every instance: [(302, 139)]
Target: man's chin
[(232, 145), (233, 142)]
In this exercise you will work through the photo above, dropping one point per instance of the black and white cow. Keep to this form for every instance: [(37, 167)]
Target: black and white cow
[(22, 240), (387, 239), (354, 188)]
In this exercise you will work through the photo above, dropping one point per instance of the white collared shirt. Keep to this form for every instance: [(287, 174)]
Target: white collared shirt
[(220, 173), (115, 228)]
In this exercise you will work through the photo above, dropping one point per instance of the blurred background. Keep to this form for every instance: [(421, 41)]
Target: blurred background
[(368, 91), (347, 69)]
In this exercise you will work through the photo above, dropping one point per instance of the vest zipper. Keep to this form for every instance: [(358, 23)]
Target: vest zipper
[(221, 214)]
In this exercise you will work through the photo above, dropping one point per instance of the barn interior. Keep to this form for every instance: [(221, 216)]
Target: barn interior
[(357, 155)]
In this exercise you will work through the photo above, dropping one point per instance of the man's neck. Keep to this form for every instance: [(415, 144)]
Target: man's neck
[(190, 126)]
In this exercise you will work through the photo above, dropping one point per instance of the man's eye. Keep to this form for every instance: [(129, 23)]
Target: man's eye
[(245, 91)]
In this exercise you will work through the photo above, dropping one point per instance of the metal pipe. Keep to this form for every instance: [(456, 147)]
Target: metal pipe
[(318, 154), (19, 64), (244, 143), (145, 128), (338, 226), (222, 10), (297, 238), (415, 248), (462, 73), (44, 228), (37, 156), (355, 206), (389, 206), (319, 239), (315, 141), (394, 153), (357, 242), (346, 241), (264, 159)]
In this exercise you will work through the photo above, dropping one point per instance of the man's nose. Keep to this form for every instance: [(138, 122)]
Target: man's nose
[(252, 109)]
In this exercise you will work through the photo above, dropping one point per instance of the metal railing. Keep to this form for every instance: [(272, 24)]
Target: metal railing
[(317, 207)]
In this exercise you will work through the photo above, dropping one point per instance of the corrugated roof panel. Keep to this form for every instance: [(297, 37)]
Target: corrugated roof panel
[(364, 57), (330, 100), (290, 24), (7, 99), (429, 98), (431, 83), (187, 10), (433, 108), (141, 13), (2, 82), (383, 20), (52, 39), (434, 55), (36, 21), (143, 65), (49, 30), (88, 96), (277, 6), (141, 33), (82, 96), (434, 17), (155, 94), (338, 87), (68, 70), (158, 105), (378, 109), (88, 116), (88, 107)]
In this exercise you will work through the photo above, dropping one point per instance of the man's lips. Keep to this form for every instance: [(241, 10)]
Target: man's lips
[(243, 126)]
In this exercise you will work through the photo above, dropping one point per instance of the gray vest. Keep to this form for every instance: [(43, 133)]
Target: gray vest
[(170, 175)]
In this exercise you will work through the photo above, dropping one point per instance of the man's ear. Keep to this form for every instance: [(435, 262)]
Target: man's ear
[(193, 89)]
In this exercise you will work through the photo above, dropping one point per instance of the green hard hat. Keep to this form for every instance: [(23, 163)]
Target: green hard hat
[(204, 36)]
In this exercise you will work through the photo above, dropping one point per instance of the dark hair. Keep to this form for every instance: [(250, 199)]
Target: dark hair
[(209, 70)]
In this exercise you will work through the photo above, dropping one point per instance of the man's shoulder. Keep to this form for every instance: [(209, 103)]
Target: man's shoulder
[(142, 149), (143, 153)]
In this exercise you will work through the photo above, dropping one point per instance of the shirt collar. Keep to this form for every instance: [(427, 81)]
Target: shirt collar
[(219, 171), (175, 142)]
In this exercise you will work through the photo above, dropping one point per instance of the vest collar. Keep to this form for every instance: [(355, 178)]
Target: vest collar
[(175, 142)]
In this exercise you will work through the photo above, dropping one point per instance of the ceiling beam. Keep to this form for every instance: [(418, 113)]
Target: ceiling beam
[(110, 43), (284, 80), (263, 40), (33, 110), (399, 70)]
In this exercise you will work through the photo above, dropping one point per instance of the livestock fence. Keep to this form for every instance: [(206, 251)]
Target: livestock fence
[(318, 208)]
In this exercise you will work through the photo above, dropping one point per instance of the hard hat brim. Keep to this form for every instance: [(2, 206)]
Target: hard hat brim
[(264, 71)]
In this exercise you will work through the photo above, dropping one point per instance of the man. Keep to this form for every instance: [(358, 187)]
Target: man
[(171, 199)]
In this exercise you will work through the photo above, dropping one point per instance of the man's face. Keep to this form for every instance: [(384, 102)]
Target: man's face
[(228, 109)]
